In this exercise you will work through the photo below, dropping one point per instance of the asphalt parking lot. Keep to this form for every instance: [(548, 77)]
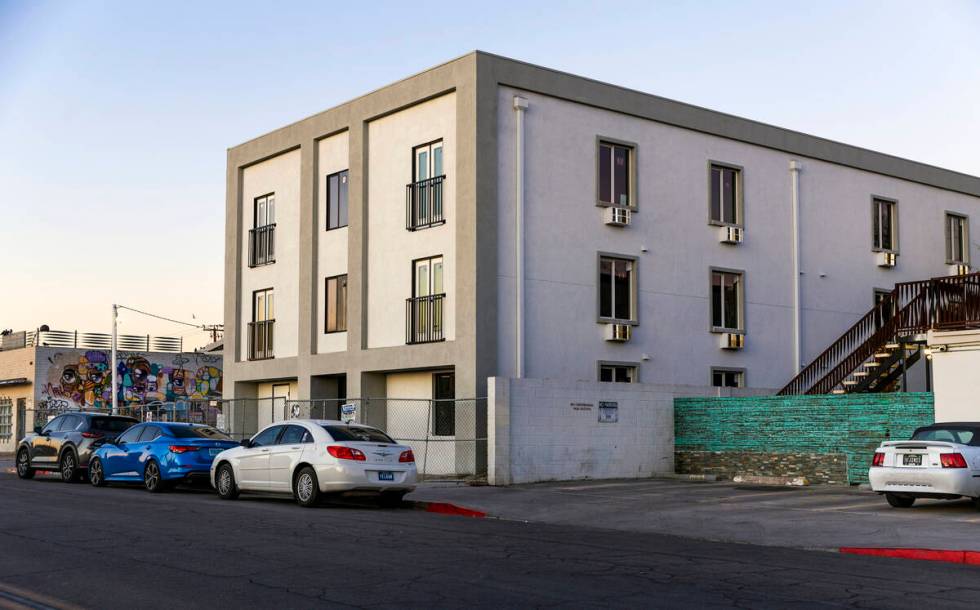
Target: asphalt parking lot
[(63, 545)]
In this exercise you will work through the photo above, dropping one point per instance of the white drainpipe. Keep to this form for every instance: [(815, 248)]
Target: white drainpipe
[(794, 172), (520, 106)]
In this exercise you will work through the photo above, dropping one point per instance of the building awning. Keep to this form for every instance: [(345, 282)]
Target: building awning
[(14, 381)]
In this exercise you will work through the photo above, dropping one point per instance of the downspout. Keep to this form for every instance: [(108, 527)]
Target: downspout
[(794, 172), (520, 106)]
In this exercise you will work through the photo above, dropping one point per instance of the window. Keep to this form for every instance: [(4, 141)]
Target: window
[(428, 277), (615, 173), (337, 189), (293, 435), (727, 378), (267, 437), (424, 309), (727, 295), (197, 432), (131, 435), (111, 424), (264, 305), (726, 194), (616, 291), (957, 239), (950, 434), (424, 196), (150, 433), (357, 433), (261, 239), (261, 329), (884, 225), (882, 305), (6, 418), (70, 423), (265, 211), (444, 404), (617, 373), (427, 161), (336, 304)]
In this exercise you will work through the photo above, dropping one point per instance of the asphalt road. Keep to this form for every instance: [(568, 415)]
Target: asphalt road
[(121, 547)]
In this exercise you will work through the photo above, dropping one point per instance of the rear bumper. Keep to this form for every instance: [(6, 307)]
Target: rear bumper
[(351, 477), (925, 482)]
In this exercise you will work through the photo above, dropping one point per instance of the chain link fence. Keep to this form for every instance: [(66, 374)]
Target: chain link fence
[(448, 437)]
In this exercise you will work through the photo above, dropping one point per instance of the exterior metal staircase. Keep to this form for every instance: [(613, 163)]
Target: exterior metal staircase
[(873, 355)]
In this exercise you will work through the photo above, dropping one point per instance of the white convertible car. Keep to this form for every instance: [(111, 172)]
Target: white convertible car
[(940, 461), (309, 458)]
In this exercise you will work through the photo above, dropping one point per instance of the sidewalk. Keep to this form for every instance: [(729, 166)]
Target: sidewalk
[(824, 518)]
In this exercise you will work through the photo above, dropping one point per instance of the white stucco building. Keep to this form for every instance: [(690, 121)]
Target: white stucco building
[(488, 217)]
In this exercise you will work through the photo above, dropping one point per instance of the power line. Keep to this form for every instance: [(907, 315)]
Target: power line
[(153, 315)]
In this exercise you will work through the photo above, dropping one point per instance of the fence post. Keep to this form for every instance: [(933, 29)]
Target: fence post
[(428, 430)]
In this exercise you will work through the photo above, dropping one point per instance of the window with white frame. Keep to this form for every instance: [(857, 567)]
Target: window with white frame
[(727, 300), (611, 372), (727, 378), (6, 419), (884, 225), (615, 165), (726, 195), (616, 288), (957, 239)]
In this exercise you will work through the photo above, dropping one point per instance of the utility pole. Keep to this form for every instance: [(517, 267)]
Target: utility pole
[(112, 363)]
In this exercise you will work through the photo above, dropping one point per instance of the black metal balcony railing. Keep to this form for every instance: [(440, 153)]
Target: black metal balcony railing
[(423, 204), (423, 319), (262, 245), (260, 339)]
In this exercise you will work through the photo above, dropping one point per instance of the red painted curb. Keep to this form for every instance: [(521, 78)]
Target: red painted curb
[(445, 508), (964, 557)]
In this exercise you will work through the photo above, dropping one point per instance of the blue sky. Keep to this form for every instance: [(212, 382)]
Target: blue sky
[(115, 116)]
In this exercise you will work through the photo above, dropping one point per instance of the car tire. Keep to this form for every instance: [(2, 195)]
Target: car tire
[(391, 499), (153, 479), (897, 501), (68, 467), (224, 482), (306, 488), (24, 469), (96, 474)]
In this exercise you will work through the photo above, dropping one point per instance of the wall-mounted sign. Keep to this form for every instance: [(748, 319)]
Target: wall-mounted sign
[(348, 412), (581, 406), (608, 412)]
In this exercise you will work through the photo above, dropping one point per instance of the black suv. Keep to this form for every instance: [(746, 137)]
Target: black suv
[(66, 443)]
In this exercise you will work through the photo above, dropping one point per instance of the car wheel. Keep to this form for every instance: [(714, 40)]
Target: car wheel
[(900, 501), (391, 499), (306, 489), (96, 475), (152, 479), (69, 467), (24, 469), (224, 482)]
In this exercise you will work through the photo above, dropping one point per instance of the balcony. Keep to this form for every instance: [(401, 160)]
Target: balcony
[(423, 319), (260, 335), (423, 204), (262, 245)]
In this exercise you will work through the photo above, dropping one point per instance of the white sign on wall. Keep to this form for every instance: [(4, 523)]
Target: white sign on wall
[(348, 412)]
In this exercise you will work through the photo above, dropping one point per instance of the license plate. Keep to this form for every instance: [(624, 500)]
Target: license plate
[(912, 459), (386, 476), (215, 451)]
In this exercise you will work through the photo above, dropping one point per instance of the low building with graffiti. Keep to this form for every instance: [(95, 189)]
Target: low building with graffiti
[(46, 372)]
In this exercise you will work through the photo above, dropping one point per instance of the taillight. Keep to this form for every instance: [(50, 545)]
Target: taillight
[(92, 435), (346, 453), (406, 456), (879, 459), (182, 448), (952, 460)]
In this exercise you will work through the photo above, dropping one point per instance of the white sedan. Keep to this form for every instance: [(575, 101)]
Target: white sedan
[(940, 461), (309, 458)]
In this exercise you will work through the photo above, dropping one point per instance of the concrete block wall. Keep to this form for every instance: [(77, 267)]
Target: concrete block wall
[(793, 435), (549, 429)]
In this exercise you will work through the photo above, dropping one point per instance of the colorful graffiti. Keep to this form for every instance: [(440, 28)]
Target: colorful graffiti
[(82, 378)]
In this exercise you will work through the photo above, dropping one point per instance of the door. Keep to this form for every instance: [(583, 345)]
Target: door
[(427, 286), (427, 164), (280, 398), (115, 459), (43, 444), (21, 418), (253, 463), (444, 404), (284, 455)]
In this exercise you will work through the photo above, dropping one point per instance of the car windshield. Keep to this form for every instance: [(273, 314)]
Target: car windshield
[(197, 432), (963, 436), (356, 433), (112, 424)]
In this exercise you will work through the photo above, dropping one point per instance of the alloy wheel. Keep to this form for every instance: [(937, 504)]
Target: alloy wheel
[(152, 476), (68, 466), (23, 463), (224, 481), (304, 487), (95, 473)]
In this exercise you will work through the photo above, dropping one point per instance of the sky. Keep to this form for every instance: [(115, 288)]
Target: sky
[(115, 117)]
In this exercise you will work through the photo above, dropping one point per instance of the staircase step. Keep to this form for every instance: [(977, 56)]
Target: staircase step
[(891, 346), (849, 382), (872, 364), (883, 355), (860, 373), (838, 391)]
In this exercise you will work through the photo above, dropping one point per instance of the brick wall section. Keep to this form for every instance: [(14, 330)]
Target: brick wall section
[(793, 435)]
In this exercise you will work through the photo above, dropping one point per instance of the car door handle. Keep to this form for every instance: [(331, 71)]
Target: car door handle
[(265, 451), (295, 447)]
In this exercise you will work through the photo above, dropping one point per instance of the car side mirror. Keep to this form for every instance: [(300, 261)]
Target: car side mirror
[(246, 443), (45, 433)]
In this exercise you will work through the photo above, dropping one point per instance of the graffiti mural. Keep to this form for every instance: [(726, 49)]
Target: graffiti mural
[(72, 378)]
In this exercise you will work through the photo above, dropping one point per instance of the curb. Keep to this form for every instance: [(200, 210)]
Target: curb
[(446, 508), (964, 557), (771, 480)]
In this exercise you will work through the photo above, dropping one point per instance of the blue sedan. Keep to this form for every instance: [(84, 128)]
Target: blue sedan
[(159, 455)]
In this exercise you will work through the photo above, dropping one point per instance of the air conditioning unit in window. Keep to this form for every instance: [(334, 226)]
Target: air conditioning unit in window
[(959, 269), (616, 217), (886, 259), (618, 332), (730, 235), (732, 341)]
